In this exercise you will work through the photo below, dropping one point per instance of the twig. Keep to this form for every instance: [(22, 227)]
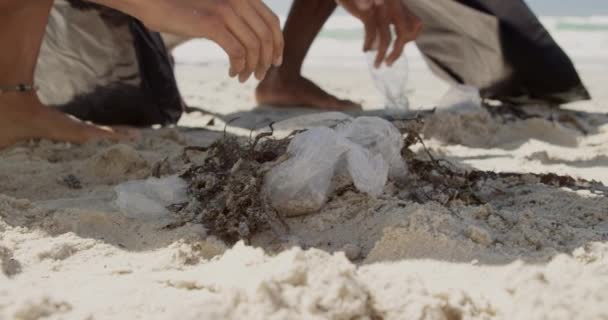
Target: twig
[(262, 136)]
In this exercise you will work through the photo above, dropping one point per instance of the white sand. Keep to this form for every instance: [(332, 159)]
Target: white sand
[(533, 253)]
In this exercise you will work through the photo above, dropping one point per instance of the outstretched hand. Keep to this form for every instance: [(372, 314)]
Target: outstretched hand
[(247, 30), (377, 17)]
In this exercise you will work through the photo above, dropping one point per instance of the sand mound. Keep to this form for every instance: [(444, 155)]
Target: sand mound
[(450, 243), (183, 280)]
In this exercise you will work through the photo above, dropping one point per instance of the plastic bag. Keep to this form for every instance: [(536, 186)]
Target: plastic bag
[(380, 137), (369, 172), (301, 184), (392, 82), (367, 148), (149, 199), (461, 99)]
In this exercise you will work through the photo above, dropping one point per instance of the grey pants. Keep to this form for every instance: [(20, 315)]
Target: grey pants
[(103, 66)]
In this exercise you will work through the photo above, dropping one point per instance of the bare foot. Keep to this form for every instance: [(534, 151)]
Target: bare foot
[(23, 117), (277, 90)]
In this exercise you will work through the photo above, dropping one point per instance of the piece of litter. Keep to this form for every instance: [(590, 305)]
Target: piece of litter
[(149, 199), (368, 147), (391, 81), (461, 99)]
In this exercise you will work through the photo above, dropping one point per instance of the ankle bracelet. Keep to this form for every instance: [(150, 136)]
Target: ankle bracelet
[(22, 87)]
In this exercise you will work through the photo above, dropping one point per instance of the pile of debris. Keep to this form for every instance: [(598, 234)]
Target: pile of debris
[(227, 182)]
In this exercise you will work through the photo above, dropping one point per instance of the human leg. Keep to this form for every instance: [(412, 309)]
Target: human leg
[(285, 85), (22, 115)]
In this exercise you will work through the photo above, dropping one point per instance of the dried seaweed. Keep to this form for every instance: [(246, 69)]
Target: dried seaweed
[(226, 188), (438, 180)]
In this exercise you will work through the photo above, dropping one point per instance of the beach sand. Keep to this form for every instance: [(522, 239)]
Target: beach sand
[(532, 251)]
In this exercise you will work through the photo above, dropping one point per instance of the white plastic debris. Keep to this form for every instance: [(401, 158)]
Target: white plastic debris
[(367, 149), (301, 184), (369, 172), (392, 82), (379, 137), (149, 199), (461, 99)]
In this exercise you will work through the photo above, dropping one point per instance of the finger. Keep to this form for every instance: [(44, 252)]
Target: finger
[(233, 48), (399, 18), (264, 35), (384, 33), (246, 37), (398, 48), (407, 26), (371, 31), (274, 23)]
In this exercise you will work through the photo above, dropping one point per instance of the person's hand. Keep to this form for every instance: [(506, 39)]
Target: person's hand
[(377, 17), (247, 30)]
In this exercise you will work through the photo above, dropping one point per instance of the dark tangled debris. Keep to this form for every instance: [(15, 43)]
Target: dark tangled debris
[(227, 188), (71, 181), (441, 181)]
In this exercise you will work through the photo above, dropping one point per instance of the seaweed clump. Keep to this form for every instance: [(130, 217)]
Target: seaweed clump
[(225, 184), (438, 180)]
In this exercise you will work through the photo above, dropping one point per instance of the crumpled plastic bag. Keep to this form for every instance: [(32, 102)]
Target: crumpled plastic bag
[(379, 137), (367, 149), (149, 199), (369, 172), (461, 99), (301, 184)]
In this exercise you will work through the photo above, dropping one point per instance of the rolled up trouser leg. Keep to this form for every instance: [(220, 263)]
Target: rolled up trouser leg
[(102, 66), (499, 47)]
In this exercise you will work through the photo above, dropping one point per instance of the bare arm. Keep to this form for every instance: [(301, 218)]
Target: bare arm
[(248, 31)]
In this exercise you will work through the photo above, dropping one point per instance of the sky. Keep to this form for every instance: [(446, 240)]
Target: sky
[(541, 7)]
